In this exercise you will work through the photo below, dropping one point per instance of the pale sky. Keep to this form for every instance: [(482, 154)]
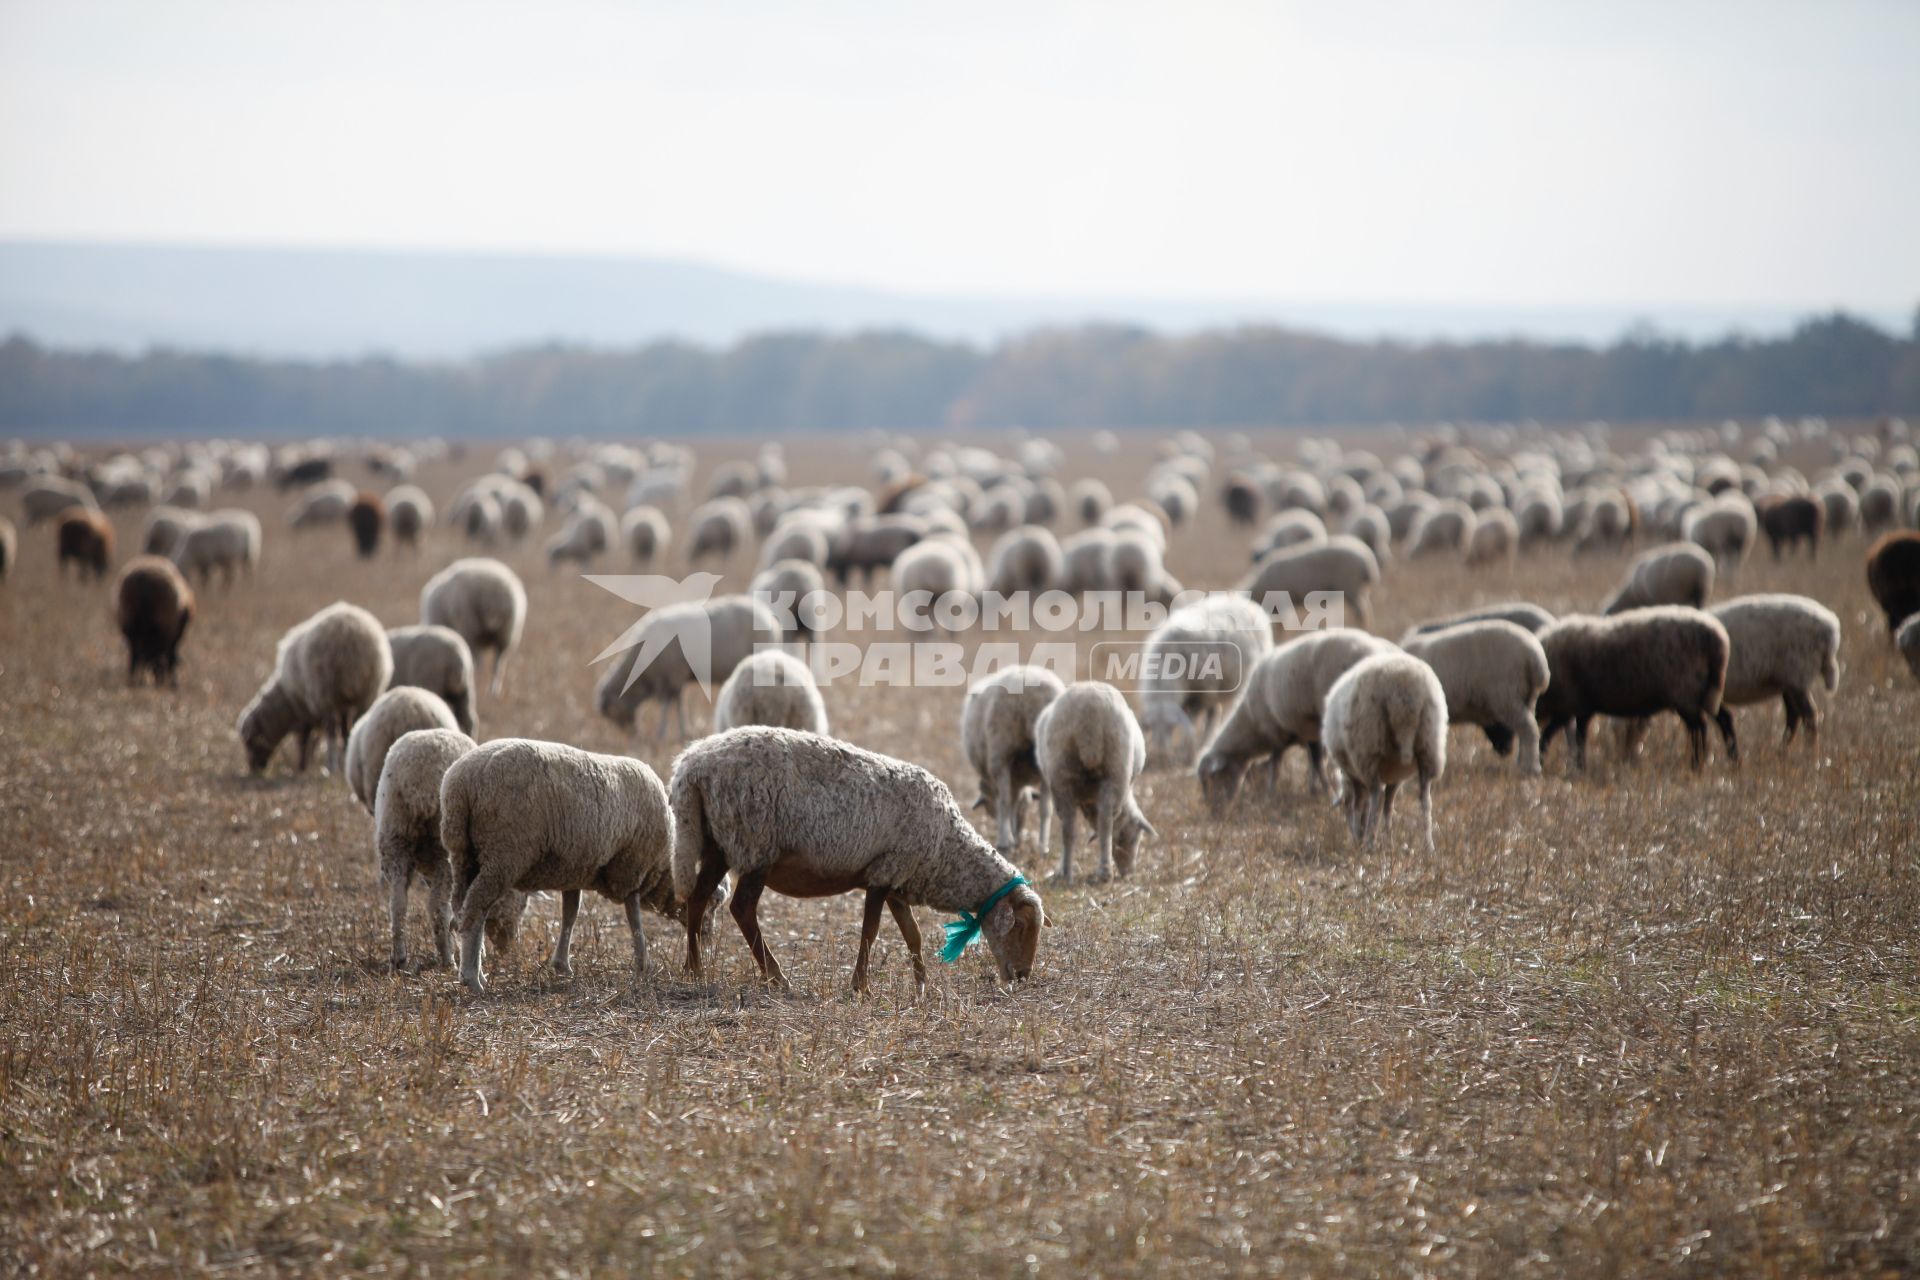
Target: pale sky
[(1533, 152)]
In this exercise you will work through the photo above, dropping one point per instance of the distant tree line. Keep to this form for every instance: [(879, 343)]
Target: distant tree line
[(1083, 377)]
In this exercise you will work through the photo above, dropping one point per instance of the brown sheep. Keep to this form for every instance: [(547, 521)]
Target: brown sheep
[(1893, 575), (367, 517), (86, 538), (1787, 519), (1635, 664), (154, 604)]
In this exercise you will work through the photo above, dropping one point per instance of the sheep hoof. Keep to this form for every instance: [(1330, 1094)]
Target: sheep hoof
[(563, 970)]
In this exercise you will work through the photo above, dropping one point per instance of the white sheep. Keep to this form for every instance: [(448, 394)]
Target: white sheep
[(395, 712), (940, 566), (1340, 566), (800, 535), (997, 731), (1285, 696), (1530, 617), (1782, 645), (798, 589), (409, 513), (164, 528), (1089, 499), (1495, 538), (227, 540), (772, 688), (810, 816), (1027, 559), (589, 532), (1725, 528), (519, 815), (645, 534), (1193, 665), (1089, 750), (1445, 526), (1493, 673), (406, 842), (730, 628), (718, 528), (327, 672), (1084, 559), (1678, 573), (45, 497), (1386, 723), (322, 504), (484, 601), (436, 659), (1291, 528)]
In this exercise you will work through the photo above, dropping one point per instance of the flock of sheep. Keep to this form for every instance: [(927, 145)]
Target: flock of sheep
[(770, 800)]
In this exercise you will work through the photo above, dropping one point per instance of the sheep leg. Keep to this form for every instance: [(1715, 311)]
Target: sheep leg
[(639, 937), (305, 744), (712, 871), (1810, 714), (746, 913), (1370, 817), (499, 671), (1386, 807), (1696, 739), (1273, 772), (440, 911), (869, 929), (1723, 721), (1103, 833), (910, 934), (563, 946), (1577, 742), (1426, 808), (1069, 820), (1005, 806), (485, 888), (397, 882), (1527, 733), (1044, 798), (1316, 769)]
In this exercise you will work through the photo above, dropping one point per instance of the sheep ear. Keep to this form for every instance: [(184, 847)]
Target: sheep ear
[(1149, 828), (980, 801)]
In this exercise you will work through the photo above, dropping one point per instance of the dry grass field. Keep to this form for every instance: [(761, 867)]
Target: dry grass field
[(1640, 1021)]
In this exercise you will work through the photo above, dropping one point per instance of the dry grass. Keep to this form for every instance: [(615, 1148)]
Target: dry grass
[(1645, 1021)]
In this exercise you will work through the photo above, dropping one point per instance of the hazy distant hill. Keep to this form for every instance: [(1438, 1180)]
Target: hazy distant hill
[(324, 303)]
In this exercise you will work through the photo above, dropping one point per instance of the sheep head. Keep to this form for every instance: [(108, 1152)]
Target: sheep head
[(267, 719), (1013, 929), (1219, 780)]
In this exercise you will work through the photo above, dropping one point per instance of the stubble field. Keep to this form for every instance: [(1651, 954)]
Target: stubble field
[(1642, 1020)]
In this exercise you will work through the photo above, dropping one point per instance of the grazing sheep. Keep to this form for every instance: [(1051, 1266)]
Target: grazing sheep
[(519, 815), (366, 518), (1636, 664), (406, 842), (1530, 617), (225, 540), (730, 627), (48, 496), (1145, 516), (1679, 573), (1281, 708), (997, 730), (521, 510), (808, 816), (1907, 641), (588, 533), (326, 673), (85, 537), (1340, 566), (438, 660), (325, 503), (409, 513), (1839, 507), (1879, 504), (1193, 665), (1369, 524), (801, 535), (1609, 524), (9, 546), (1133, 562), (1495, 538), (1724, 528), (484, 601), (1893, 575), (1243, 498), (164, 528), (1084, 559), (1493, 673), (939, 566), (1385, 723), (154, 604), (1027, 559), (1782, 646), (1089, 499), (646, 534), (1539, 517), (1445, 526), (869, 543), (1788, 520), (718, 528), (770, 688), (480, 519), (395, 712), (798, 589), (1089, 751)]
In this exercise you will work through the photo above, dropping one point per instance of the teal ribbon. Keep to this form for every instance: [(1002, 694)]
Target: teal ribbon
[(965, 931)]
